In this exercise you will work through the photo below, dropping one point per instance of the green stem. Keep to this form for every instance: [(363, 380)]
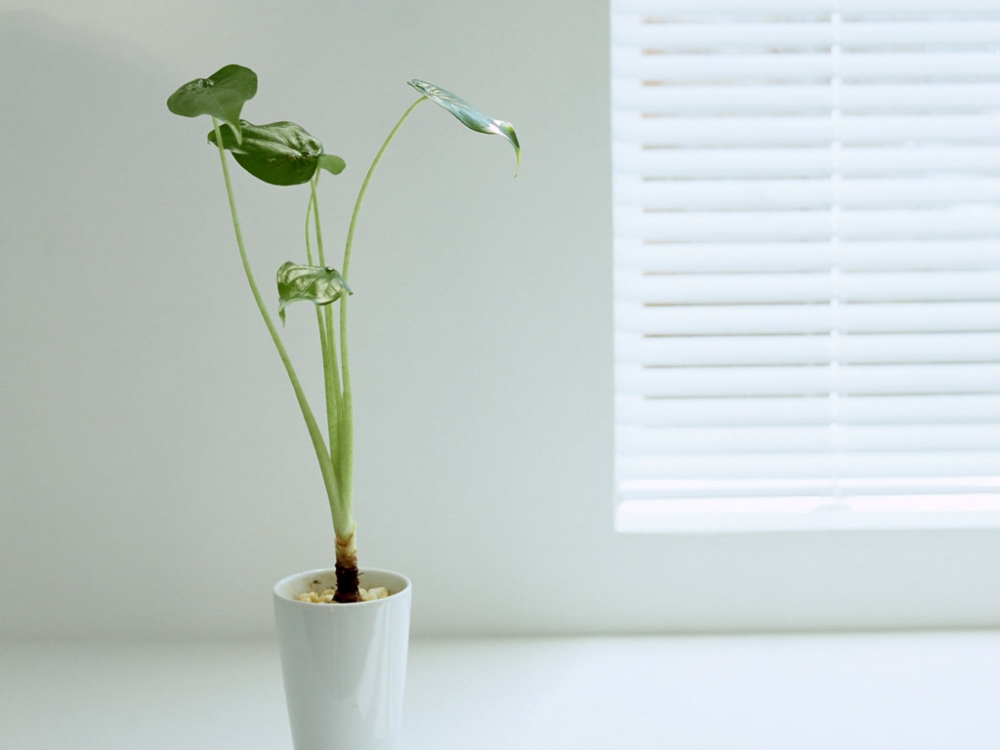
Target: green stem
[(309, 210), (346, 442), (322, 456), (319, 315), (331, 372), (364, 188)]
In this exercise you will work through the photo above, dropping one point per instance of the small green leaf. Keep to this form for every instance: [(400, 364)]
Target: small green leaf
[(471, 117), (280, 153), (221, 95), (332, 164), (314, 283)]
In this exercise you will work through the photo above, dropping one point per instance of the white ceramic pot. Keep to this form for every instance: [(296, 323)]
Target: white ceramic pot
[(344, 664)]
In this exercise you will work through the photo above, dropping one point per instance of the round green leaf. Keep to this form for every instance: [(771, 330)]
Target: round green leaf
[(221, 95), (332, 164), (318, 284), (468, 115), (279, 153)]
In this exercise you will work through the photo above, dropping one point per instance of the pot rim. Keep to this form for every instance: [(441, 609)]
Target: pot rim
[(407, 585)]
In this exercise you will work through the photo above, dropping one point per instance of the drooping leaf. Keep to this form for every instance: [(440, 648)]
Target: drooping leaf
[(332, 164), (279, 153), (313, 283), (471, 117), (221, 95)]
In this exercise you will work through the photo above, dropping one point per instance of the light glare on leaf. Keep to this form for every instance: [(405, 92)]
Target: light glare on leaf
[(318, 284), (468, 115)]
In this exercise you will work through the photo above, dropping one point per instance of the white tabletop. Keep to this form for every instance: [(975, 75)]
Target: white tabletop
[(885, 691)]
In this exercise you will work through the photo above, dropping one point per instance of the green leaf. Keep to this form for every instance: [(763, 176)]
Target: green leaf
[(332, 164), (221, 95), (314, 283), (471, 117), (279, 153)]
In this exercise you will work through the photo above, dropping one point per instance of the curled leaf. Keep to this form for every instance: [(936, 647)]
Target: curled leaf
[(221, 95), (469, 116), (279, 153), (317, 284)]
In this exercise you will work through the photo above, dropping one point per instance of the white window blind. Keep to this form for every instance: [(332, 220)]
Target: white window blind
[(807, 263)]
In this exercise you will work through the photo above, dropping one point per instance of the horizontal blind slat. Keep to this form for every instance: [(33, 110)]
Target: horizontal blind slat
[(775, 467), (823, 160), (961, 222), (950, 409), (962, 317), (816, 66), (755, 34), (682, 289), (739, 9), (687, 351), (811, 193), (808, 380), (822, 254), (806, 438), (805, 130), (804, 99)]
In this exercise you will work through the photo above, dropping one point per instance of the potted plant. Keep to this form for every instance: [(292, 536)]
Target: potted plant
[(342, 632)]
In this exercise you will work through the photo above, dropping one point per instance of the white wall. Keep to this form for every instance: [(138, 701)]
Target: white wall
[(155, 477)]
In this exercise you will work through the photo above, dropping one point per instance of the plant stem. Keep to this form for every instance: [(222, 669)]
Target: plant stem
[(331, 372), (309, 210), (320, 323), (364, 187), (346, 443), (347, 570), (322, 455)]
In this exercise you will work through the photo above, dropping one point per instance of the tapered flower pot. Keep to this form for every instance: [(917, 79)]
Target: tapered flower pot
[(344, 665)]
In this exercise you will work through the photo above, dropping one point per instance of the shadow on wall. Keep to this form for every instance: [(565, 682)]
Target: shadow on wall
[(88, 199), (80, 145), (100, 318)]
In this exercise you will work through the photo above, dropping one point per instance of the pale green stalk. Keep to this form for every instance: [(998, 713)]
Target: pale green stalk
[(346, 443), (340, 519), (331, 369), (319, 314)]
